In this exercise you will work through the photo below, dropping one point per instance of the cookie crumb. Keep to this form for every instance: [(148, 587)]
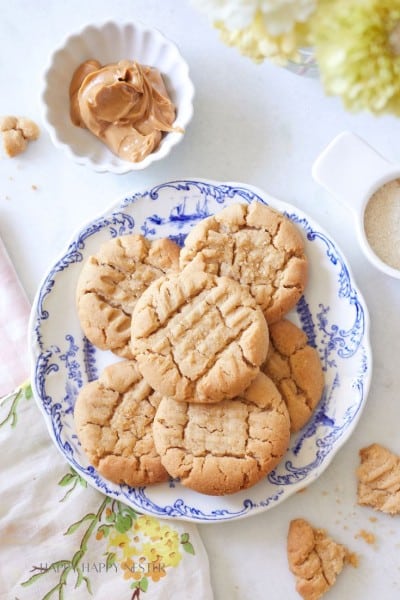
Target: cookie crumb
[(367, 536), (352, 559), (373, 519), (17, 132)]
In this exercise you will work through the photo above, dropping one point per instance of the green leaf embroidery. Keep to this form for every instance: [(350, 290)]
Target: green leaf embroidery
[(123, 523), (82, 481), (111, 516), (71, 478), (66, 479), (28, 391), (88, 585), (110, 560), (187, 546), (72, 528), (76, 558), (79, 579), (51, 592), (73, 564), (126, 510), (36, 576), (143, 584), (23, 391)]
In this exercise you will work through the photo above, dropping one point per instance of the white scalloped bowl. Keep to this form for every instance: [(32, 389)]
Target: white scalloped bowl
[(111, 42)]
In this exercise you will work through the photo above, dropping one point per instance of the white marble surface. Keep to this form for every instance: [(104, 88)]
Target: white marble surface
[(256, 124)]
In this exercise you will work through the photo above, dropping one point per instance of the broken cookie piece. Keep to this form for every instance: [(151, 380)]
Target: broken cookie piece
[(17, 132), (379, 479), (314, 558)]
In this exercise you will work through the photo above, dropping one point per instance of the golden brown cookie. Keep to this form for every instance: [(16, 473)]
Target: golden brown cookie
[(314, 558), (225, 447), (257, 246), (198, 337), (379, 479), (113, 279), (296, 369), (113, 418)]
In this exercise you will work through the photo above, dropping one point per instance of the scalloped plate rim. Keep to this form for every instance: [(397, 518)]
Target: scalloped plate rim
[(196, 515)]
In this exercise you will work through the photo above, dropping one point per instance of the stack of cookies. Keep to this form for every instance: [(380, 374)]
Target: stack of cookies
[(213, 379)]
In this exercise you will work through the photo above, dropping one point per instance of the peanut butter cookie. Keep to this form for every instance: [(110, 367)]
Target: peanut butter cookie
[(113, 418), (314, 558), (112, 280), (225, 447), (258, 247), (379, 479), (198, 337), (296, 369)]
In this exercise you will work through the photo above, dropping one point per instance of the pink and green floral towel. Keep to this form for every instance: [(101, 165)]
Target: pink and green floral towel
[(62, 539)]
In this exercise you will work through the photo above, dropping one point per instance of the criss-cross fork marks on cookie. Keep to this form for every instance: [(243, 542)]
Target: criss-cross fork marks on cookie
[(198, 337), (111, 282)]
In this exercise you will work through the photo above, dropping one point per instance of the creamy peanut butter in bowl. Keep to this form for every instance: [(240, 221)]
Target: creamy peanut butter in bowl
[(117, 110)]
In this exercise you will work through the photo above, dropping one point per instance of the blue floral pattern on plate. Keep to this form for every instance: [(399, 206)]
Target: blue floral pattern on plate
[(332, 312)]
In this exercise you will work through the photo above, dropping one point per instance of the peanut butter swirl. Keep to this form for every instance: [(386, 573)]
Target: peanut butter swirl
[(125, 104)]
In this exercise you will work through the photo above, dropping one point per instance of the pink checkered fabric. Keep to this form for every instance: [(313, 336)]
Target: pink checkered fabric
[(14, 317)]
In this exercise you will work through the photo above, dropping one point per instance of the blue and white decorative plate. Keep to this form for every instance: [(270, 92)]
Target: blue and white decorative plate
[(332, 312)]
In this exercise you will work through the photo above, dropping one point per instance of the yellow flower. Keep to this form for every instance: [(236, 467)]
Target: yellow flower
[(118, 539), (153, 546), (358, 51), (121, 543), (150, 526), (164, 550)]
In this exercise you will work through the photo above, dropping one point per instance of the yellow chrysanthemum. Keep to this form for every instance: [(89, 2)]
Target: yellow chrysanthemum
[(255, 42), (358, 51)]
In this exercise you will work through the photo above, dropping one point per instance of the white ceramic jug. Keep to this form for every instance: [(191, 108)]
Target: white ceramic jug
[(352, 172)]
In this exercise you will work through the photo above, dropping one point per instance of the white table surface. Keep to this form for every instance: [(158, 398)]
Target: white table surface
[(255, 124)]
